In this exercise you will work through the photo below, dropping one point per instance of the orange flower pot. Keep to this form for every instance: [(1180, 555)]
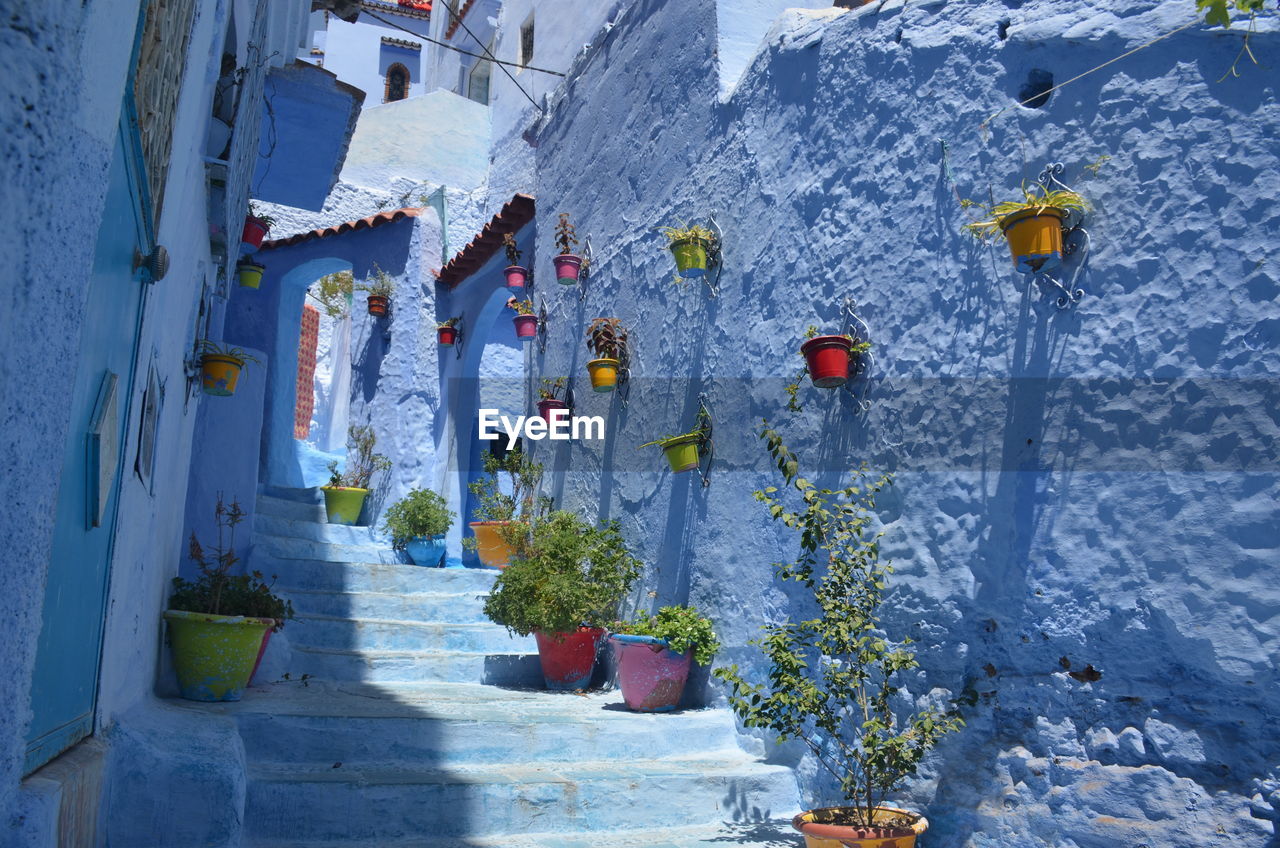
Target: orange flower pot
[(493, 550), (219, 374), (845, 836), (1035, 238)]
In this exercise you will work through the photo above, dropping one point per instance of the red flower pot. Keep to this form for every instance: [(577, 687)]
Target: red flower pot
[(567, 268), (516, 276), (379, 306), (546, 405), (447, 336), (568, 658), (254, 232), (828, 359), (526, 326)]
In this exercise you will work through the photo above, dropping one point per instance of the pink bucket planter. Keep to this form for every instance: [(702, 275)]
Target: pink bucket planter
[(567, 268), (651, 675), (516, 276), (526, 327), (547, 405)]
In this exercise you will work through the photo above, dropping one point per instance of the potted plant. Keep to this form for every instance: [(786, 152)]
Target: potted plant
[(1032, 226), (833, 679), (220, 367), (829, 361), (380, 288), (256, 227), (249, 273), (607, 339), (562, 586), (345, 493), (333, 292), (447, 331), (220, 622), (568, 264), (525, 321), (502, 521), (654, 654), (549, 397), (690, 246), (681, 451), (417, 524), (516, 274)]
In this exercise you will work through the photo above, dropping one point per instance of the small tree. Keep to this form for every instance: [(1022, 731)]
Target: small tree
[(420, 514), (362, 461), (522, 509), (831, 677), (334, 293)]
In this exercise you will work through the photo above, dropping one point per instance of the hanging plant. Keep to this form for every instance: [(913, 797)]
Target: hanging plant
[(829, 361), (333, 292), (380, 287), (568, 264), (682, 450), (549, 397), (690, 245), (526, 323), (249, 273), (220, 367), (517, 275), (256, 227), (447, 331), (1033, 226), (607, 338)]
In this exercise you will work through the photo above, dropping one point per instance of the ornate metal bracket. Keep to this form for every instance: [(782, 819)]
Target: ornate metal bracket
[(1069, 294), (858, 329), (584, 271), (458, 336), (706, 445), (715, 256), (542, 326)]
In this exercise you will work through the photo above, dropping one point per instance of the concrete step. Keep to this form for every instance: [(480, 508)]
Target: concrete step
[(310, 495), (365, 634), (444, 726), (496, 669), (385, 606), (769, 833), (374, 576), (289, 547), (317, 531), (379, 803), (290, 508)]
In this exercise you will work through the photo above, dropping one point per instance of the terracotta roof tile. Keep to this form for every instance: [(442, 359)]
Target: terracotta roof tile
[(346, 227), (515, 213), (462, 13)]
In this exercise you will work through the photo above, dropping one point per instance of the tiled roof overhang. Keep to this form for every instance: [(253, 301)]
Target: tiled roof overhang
[(515, 213), (462, 13), (345, 227)]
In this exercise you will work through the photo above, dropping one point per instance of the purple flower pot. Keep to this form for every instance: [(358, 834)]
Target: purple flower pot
[(651, 675)]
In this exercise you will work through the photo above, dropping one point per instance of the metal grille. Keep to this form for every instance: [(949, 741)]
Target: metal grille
[(161, 62)]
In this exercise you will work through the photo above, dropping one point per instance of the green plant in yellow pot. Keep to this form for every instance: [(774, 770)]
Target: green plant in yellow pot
[(346, 491)]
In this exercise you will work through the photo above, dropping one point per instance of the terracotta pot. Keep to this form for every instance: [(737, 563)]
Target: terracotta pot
[(493, 550), (828, 360), (254, 232), (1035, 238), (446, 336), (526, 327), (568, 266), (844, 836), (516, 276), (568, 658), (379, 306), (546, 405), (650, 674)]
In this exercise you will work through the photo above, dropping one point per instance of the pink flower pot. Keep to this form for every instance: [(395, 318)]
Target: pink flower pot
[(516, 276), (652, 676), (567, 268), (546, 406), (526, 327)]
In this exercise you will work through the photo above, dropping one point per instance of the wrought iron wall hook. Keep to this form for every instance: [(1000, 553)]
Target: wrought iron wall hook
[(715, 256), (1069, 293), (1049, 181), (458, 335), (584, 271), (542, 326), (705, 425), (856, 327)]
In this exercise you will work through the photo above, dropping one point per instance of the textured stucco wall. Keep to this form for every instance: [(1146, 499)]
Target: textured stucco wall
[(1093, 486), (355, 52)]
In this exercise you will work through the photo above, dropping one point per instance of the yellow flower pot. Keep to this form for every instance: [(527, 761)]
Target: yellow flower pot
[(1035, 238), (604, 374), (844, 836), (214, 655), (219, 373), (493, 550), (250, 274), (691, 257)]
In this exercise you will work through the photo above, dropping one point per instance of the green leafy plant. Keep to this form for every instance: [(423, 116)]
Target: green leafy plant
[(568, 574), (379, 284), (509, 245), (551, 389), (448, 322), (262, 218), (857, 348), (1038, 199), (831, 679), (607, 338), (333, 291), (521, 307), (566, 236), (212, 348), (362, 461), (684, 629), (219, 592), (517, 512), (420, 514), (1218, 13)]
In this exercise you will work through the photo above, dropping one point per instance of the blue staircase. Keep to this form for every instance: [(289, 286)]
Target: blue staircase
[(423, 724)]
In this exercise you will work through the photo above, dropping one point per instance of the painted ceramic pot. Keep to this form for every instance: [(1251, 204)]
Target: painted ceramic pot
[(691, 257), (604, 374), (568, 658), (219, 374), (1035, 238), (446, 336), (266, 640), (342, 504), (426, 551), (568, 267), (493, 550), (818, 835), (516, 276), (651, 675), (526, 327), (254, 232), (828, 360), (378, 305), (682, 452), (250, 274), (214, 655), (547, 405)]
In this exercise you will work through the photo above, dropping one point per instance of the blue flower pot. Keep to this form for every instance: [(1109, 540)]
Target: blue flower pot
[(426, 551)]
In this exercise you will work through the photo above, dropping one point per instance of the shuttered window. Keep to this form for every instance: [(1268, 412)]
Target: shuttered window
[(161, 62)]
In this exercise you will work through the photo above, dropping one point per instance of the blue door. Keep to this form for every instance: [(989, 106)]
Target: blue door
[(64, 686)]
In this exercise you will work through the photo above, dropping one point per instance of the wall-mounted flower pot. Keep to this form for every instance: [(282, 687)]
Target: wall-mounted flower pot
[(818, 835), (214, 655), (493, 550), (604, 374), (568, 658), (651, 675), (1035, 238), (250, 274), (828, 360), (526, 327), (254, 232), (516, 276), (682, 452), (379, 306), (691, 257), (446, 336), (342, 504), (546, 405), (568, 266), (427, 551), (219, 373)]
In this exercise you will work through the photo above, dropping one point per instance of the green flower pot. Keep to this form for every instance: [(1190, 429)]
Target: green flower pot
[(691, 257), (343, 503), (682, 453), (214, 655)]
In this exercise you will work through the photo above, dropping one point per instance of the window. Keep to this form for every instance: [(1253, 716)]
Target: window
[(162, 56), (478, 80), (526, 42), (397, 83)]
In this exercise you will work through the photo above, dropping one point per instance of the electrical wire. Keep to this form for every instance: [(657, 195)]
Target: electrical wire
[(458, 18)]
